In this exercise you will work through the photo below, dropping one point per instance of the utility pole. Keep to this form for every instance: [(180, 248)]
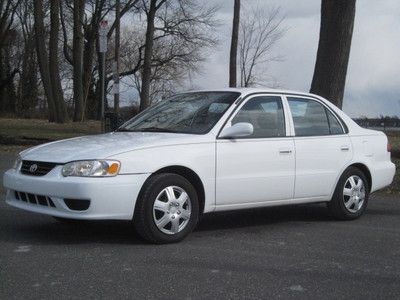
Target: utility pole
[(116, 62), (103, 49)]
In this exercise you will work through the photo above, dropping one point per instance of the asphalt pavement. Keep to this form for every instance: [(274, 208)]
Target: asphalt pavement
[(291, 252)]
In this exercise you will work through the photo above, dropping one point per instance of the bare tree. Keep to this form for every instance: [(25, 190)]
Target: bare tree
[(8, 10), (48, 61), (28, 85), (92, 13), (234, 45), (42, 56), (183, 29), (183, 32), (7, 70), (78, 42), (260, 30), (337, 22), (148, 51), (54, 62)]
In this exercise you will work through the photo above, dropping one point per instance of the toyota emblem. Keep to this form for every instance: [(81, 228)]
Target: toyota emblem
[(33, 168)]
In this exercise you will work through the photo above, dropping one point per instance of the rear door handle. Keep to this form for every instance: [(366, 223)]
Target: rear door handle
[(345, 148)]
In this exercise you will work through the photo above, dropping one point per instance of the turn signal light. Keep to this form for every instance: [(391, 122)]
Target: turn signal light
[(113, 169)]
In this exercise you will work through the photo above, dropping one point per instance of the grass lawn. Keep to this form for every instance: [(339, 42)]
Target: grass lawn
[(43, 130), (394, 140)]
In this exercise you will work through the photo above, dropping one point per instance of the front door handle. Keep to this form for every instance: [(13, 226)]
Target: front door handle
[(345, 148), (285, 151)]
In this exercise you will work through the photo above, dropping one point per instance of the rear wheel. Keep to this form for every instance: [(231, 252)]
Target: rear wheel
[(167, 209), (351, 195)]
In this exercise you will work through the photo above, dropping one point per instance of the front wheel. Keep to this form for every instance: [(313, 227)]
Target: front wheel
[(167, 209), (351, 195)]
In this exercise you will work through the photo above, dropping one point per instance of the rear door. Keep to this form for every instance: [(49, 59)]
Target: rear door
[(323, 147), (261, 167)]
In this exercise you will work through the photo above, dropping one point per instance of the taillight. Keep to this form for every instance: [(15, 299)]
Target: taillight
[(389, 147)]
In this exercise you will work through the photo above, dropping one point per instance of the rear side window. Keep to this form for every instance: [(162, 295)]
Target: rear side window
[(334, 125), (311, 118), (266, 115)]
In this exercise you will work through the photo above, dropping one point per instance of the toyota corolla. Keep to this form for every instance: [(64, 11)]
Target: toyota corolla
[(206, 151)]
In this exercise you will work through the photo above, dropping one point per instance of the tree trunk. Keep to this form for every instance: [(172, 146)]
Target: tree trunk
[(88, 60), (55, 80), (28, 83), (7, 86), (91, 103), (337, 22), (148, 53), (117, 46), (42, 57), (77, 54), (234, 44)]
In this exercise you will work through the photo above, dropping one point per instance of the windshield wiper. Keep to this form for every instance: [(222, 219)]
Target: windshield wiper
[(153, 129), (124, 130)]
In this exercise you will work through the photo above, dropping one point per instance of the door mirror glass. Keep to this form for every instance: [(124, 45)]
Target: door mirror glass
[(238, 130)]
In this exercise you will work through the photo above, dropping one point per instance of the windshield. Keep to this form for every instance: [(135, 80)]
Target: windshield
[(184, 113)]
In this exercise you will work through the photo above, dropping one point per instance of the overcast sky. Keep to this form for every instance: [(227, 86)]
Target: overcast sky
[(373, 80)]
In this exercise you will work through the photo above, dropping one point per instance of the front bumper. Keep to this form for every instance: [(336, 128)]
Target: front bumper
[(110, 197)]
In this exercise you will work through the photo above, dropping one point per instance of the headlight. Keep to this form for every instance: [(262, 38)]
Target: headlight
[(17, 163), (91, 168)]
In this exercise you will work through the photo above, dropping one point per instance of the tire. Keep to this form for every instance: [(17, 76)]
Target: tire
[(350, 198), (160, 202)]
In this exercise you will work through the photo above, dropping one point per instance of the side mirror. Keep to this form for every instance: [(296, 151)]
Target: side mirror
[(237, 130)]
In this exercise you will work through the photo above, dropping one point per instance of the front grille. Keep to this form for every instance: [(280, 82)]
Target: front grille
[(34, 199), (36, 168)]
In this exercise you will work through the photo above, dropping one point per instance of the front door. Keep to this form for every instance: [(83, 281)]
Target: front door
[(260, 167)]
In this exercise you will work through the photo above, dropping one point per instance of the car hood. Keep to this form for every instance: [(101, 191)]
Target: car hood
[(105, 145)]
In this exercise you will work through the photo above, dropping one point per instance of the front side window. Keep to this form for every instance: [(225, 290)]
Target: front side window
[(311, 118), (266, 115), (194, 113)]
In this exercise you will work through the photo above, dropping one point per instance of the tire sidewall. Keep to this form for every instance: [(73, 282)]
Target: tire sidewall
[(340, 189), (151, 194)]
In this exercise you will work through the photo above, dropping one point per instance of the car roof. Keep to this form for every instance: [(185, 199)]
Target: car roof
[(247, 91)]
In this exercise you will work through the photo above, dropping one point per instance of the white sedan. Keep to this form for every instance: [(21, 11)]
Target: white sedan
[(206, 151)]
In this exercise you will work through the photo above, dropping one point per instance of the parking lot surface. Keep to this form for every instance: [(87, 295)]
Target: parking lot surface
[(287, 252)]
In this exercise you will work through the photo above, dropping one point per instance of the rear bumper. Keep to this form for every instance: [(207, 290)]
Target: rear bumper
[(110, 197), (382, 175)]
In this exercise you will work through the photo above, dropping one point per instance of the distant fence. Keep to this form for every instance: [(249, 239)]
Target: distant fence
[(385, 124), (383, 128)]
